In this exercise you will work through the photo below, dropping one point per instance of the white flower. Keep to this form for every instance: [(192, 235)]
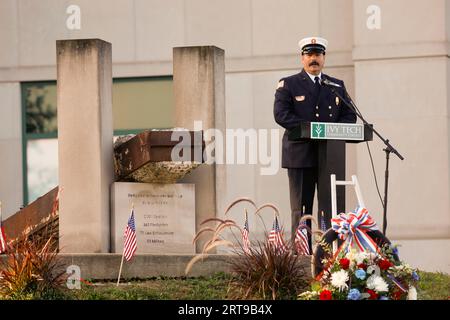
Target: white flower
[(339, 279), (381, 285), (412, 293), (373, 269), (377, 283), (370, 281), (359, 257)]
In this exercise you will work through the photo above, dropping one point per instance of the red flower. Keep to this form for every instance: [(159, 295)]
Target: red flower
[(373, 294), (397, 294), (345, 263), (325, 295), (362, 266), (384, 264)]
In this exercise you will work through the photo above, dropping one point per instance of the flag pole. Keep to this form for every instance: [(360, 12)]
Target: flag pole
[(123, 254), (120, 270)]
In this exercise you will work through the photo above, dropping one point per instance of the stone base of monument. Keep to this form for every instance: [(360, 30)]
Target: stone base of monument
[(105, 266), (164, 216)]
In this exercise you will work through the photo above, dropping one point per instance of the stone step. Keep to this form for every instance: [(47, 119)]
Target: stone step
[(105, 266)]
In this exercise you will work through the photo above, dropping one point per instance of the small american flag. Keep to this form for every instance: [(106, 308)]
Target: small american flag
[(245, 232), (130, 244), (301, 240), (3, 246), (276, 237), (2, 240)]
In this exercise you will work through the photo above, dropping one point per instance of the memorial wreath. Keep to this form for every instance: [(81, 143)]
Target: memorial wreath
[(361, 268)]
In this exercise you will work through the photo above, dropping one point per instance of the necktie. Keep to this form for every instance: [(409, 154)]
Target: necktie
[(317, 85)]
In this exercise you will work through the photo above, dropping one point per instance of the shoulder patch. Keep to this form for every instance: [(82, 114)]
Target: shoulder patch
[(280, 84)]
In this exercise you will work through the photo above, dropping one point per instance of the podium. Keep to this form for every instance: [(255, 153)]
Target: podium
[(331, 139)]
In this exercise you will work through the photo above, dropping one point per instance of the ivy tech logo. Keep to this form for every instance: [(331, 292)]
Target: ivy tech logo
[(317, 130), (337, 131)]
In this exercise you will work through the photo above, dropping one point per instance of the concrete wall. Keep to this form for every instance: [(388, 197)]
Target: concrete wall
[(398, 76), (252, 41), (401, 72)]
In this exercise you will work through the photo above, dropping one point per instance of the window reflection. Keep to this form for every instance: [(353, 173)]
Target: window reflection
[(138, 104), (42, 167), (40, 108)]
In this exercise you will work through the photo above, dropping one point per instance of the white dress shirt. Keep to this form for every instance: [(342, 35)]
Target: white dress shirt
[(313, 76)]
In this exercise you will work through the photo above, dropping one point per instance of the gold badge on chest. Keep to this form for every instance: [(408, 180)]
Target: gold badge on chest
[(300, 98), (337, 101)]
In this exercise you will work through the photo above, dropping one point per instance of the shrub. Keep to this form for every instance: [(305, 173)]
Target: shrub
[(260, 270), (266, 273), (32, 270)]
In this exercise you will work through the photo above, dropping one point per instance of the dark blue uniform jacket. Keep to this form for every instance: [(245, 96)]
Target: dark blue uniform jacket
[(295, 101)]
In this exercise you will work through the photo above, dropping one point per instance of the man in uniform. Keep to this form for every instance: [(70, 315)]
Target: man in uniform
[(303, 97)]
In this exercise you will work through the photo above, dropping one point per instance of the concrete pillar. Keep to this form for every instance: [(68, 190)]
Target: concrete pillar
[(402, 78), (199, 93), (10, 149), (85, 138)]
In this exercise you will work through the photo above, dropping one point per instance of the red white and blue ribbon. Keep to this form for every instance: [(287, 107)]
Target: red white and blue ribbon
[(353, 227), (396, 282)]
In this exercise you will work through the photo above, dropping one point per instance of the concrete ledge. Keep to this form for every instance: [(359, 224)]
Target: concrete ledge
[(105, 266)]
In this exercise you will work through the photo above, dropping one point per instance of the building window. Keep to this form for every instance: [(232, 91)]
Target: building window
[(138, 104)]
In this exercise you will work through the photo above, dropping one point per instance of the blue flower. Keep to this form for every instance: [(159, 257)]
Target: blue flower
[(415, 276), (360, 274), (354, 294), (395, 251), (384, 298)]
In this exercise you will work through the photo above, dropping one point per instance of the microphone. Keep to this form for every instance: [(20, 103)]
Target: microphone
[(330, 83)]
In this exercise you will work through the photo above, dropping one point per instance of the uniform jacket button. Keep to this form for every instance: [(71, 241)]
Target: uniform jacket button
[(317, 115)]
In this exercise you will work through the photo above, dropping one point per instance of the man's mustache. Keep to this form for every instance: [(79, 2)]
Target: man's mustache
[(314, 63)]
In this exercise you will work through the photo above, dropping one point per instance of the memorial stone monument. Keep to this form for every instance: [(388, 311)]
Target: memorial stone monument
[(146, 178), (100, 182)]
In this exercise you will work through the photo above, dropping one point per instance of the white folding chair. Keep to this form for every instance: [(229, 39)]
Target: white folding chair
[(334, 183)]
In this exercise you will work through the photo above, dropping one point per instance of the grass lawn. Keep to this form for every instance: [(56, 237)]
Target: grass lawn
[(201, 288), (432, 286)]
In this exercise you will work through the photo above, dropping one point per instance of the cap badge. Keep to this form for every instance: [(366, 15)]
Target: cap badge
[(313, 40)]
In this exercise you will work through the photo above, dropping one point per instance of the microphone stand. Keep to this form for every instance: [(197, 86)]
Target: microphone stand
[(388, 150)]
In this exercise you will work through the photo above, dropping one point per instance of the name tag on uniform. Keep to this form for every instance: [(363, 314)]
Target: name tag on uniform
[(300, 98)]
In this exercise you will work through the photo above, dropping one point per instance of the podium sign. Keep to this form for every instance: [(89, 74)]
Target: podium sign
[(337, 131), (348, 132)]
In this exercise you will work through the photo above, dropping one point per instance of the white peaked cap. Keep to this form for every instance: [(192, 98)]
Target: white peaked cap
[(313, 44)]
